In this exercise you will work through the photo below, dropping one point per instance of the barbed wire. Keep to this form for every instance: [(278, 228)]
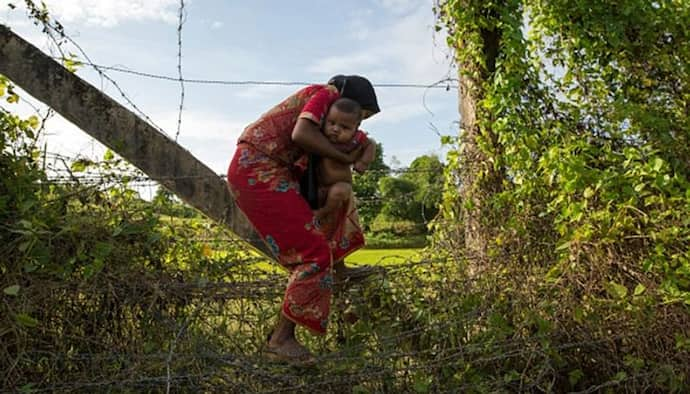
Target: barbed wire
[(95, 180), (376, 171), (97, 177), (433, 85), (55, 30), (181, 20), (369, 371)]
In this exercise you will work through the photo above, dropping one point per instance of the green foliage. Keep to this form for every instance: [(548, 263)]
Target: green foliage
[(397, 194), (410, 200), (366, 188), (385, 256), (448, 226), (618, 169), (587, 103), (86, 268), (166, 203), (426, 172)]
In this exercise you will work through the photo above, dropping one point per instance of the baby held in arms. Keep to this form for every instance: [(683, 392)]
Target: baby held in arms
[(341, 127)]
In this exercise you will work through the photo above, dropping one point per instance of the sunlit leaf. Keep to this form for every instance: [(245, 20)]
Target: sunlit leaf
[(26, 320), (11, 290)]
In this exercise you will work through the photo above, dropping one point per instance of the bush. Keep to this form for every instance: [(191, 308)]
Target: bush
[(386, 240), (384, 224)]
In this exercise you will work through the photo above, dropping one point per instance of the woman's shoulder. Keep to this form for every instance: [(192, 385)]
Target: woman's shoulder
[(316, 100), (311, 90)]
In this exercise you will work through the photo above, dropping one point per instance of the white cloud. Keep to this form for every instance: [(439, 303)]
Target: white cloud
[(201, 123), (401, 51), (387, 47), (68, 140), (359, 25), (336, 64), (59, 136), (110, 13), (210, 136), (404, 50), (395, 113), (265, 93), (400, 6)]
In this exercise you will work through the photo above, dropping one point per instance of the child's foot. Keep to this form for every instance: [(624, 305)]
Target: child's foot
[(319, 214)]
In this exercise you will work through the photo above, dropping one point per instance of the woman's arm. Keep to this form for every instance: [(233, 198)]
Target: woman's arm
[(367, 157), (369, 153), (307, 135)]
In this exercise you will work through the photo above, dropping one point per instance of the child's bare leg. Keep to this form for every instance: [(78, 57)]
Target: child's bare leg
[(338, 193)]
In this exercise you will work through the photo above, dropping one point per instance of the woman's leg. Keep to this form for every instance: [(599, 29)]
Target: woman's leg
[(283, 344), (283, 333), (268, 195)]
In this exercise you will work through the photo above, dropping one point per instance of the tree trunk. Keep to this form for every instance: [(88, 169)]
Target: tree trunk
[(480, 180), (122, 131)]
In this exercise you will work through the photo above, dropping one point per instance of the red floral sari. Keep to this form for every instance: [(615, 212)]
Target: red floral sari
[(264, 180)]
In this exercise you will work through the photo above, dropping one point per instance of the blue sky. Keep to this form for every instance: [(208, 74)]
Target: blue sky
[(388, 41)]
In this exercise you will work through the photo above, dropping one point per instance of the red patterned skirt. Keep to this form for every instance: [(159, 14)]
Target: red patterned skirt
[(268, 194)]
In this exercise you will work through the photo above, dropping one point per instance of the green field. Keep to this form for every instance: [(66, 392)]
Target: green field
[(362, 256), (383, 256)]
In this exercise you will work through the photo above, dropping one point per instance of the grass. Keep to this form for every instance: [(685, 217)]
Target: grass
[(383, 256), (362, 256)]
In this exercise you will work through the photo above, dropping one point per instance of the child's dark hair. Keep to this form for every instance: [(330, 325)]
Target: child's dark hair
[(348, 106)]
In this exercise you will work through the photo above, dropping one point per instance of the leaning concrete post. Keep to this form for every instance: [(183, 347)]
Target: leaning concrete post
[(122, 131)]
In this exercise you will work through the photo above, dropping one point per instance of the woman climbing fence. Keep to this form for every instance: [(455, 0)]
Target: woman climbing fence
[(264, 178)]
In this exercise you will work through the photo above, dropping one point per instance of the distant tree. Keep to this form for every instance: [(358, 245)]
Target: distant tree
[(397, 196), (366, 187), (410, 200), (426, 172)]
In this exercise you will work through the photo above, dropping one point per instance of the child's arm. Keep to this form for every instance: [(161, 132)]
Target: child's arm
[(367, 157)]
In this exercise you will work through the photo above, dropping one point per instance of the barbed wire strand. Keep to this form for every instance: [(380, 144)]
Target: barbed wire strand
[(104, 75), (181, 21), (412, 85)]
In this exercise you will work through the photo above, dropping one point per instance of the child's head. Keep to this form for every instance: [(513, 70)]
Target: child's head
[(342, 120)]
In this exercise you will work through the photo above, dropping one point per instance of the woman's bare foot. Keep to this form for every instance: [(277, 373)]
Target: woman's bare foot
[(289, 351), (283, 346)]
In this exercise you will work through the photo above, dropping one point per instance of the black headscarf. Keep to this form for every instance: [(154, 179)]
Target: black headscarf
[(357, 88)]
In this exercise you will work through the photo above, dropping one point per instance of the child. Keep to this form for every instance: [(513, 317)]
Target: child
[(341, 127)]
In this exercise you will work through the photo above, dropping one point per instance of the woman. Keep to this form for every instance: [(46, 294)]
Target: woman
[(264, 179)]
